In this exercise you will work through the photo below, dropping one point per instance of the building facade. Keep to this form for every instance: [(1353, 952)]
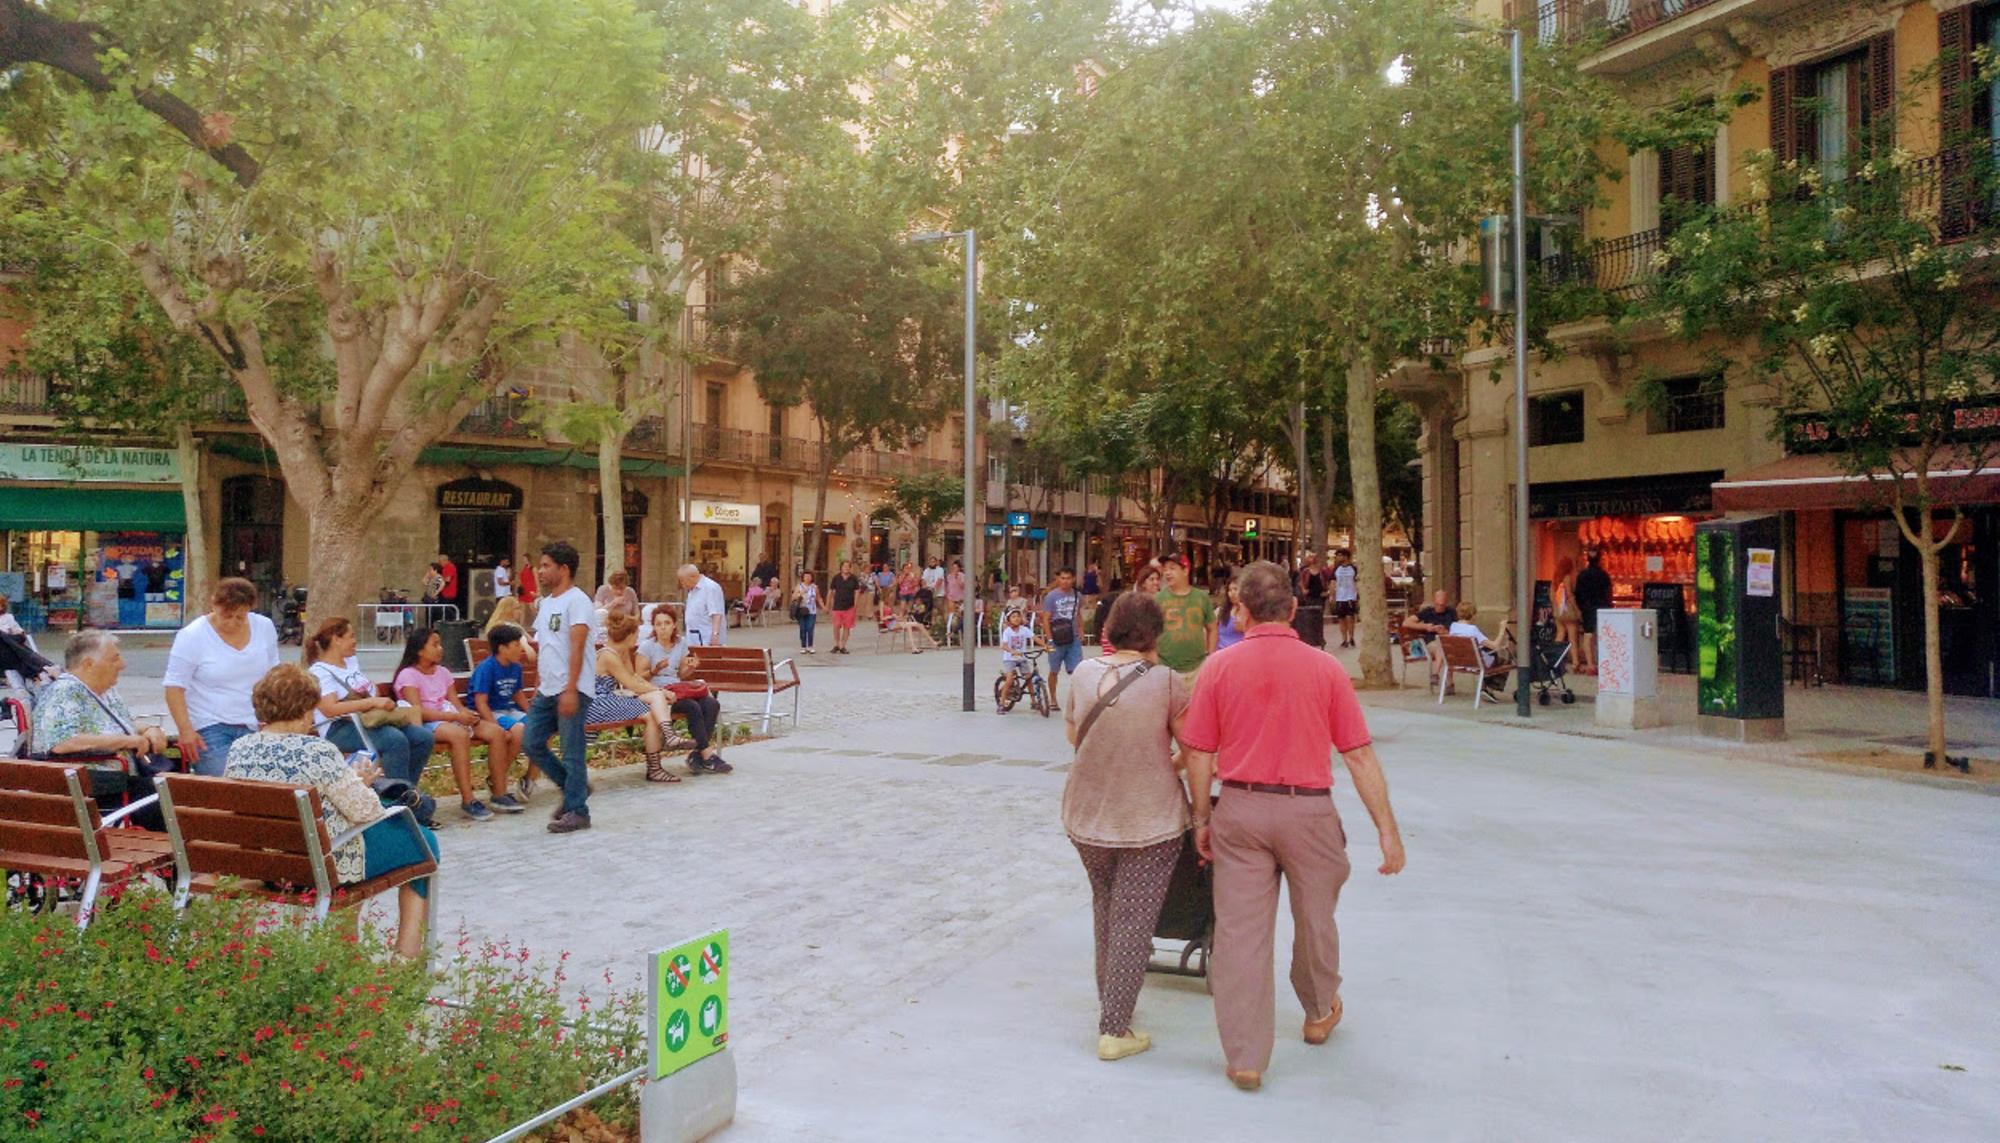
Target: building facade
[(1628, 480)]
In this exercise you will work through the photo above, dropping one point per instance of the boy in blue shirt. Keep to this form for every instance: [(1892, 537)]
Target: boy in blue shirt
[(494, 691)]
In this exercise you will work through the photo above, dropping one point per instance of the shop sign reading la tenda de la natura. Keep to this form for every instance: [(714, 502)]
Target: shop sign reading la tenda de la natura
[(89, 463)]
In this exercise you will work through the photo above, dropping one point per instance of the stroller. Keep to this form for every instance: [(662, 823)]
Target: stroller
[(1548, 670), (1186, 916)]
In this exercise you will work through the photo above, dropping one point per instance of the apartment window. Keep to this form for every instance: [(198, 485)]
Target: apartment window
[(1829, 112), (1556, 418), (777, 442), (717, 401), (1687, 181), (1687, 405)]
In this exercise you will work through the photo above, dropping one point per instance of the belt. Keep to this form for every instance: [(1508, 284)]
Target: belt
[(1274, 788)]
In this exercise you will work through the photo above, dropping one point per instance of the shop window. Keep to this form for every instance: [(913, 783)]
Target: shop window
[(1556, 418), (1687, 405)]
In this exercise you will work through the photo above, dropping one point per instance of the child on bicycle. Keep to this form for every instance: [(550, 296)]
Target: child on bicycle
[(1016, 639)]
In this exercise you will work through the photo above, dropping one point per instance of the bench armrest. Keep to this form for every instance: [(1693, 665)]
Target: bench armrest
[(388, 812), (119, 815), (790, 665)]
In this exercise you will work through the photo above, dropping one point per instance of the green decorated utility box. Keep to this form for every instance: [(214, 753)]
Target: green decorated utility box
[(1739, 659)]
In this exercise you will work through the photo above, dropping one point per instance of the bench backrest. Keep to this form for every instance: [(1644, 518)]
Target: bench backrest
[(476, 651), (45, 811), (740, 665), (1460, 651), (237, 827)]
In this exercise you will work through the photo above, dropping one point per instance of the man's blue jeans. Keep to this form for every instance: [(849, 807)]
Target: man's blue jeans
[(570, 772)]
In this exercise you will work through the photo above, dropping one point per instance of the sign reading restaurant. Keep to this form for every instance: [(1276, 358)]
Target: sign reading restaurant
[(59, 462), (472, 495)]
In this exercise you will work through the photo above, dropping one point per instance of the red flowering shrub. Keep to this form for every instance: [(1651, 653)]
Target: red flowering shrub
[(234, 1021)]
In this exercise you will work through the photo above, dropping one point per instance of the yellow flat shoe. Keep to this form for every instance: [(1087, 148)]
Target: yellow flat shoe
[(1317, 1031), (1118, 1047)]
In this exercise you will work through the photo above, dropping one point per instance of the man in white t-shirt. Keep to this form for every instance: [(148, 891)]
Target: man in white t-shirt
[(503, 580), (563, 623), (1346, 595), (934, 576), (704, 614), (1489, 651)]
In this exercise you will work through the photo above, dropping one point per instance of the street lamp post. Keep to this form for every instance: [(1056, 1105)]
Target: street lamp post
[(1524, 564), (968, 637)]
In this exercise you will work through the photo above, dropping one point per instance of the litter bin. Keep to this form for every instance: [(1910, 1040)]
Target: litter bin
[(1310, 621), (453, 633)]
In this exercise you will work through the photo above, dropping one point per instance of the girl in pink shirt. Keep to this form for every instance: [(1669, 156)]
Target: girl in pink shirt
[(422, 681)]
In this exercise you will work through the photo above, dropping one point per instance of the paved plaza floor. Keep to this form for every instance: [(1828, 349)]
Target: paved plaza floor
[(1595, 939)]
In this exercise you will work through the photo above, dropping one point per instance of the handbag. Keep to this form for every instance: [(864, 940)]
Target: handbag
[(1565, 609), (1062, 631), (687, 690), (401, 716)]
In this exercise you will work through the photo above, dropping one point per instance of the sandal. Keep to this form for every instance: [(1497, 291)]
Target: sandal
[(658, 772)]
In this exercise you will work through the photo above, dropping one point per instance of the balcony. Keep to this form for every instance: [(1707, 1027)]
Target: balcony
[(1638, 34), (707, 338), (1954, 190), (23, 393), (503, 416)]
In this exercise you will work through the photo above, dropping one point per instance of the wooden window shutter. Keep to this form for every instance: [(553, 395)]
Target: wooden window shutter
[(1957, 75), (1784, 136), (1881, 80)]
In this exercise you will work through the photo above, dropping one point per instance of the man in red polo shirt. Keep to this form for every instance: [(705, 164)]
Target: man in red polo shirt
[(1271, 709)]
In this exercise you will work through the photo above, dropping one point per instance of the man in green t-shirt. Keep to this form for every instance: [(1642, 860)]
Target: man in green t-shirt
[(1190, 633)]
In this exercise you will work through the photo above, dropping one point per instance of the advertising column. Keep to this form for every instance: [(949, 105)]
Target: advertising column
[(1739, 665)]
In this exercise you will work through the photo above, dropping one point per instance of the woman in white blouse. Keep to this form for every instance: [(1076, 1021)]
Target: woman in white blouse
[(215, 663)]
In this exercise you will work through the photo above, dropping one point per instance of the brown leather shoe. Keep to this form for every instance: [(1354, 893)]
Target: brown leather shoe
[(1317, 1031), (1244, 1081)]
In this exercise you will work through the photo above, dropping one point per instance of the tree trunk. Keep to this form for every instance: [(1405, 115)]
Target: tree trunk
[(338, 556), (1303, 507), (611, 502), (1361, 467), (196, 568), (816, 545), (1927, 553), (1329, 475)]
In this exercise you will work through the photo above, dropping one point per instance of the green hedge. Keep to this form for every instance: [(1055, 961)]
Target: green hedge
[(238, 1021)]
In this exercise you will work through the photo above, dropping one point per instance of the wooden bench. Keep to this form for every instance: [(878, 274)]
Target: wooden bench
[(458, 683), (273, 837), (51, 826), (750, 670), (1410, 646), (1462, 657)]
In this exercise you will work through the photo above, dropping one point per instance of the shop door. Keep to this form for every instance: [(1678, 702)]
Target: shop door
[(475, 539), (1970, 609), (253, 532)]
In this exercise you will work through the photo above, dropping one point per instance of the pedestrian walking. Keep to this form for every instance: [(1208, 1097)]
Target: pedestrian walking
[(503, 580), (526, 588), (846, 590), (1562, 605), (1124, 808), (1346, 594), (1227, 633), (1267, 710), (805, 609), (1061, 615), (704, 611), (1593, 592), (1190, 612), (566, 686), (449, 592)]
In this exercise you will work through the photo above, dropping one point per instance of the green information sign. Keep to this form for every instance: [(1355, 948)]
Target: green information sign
[(690, 990)]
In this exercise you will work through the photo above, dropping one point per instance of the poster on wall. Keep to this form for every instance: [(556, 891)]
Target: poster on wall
[(145, 573), (1761, 578), (1715, 622)]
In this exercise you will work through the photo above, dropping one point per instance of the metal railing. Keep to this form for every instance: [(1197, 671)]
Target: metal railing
[(1691, 412), (23, 393), (501, 416), (1561, 20)]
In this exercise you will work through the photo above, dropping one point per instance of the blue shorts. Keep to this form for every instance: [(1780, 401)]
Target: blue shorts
[(509, 719), (1065, 655)]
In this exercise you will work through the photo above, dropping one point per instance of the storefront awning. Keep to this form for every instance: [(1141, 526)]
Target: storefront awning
[(90, 510), (1819, 481)]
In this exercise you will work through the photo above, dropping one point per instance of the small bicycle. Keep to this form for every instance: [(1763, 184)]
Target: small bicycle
[(1011, 686)]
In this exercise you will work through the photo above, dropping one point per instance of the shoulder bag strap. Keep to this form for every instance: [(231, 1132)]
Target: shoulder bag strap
[(1109, 700)]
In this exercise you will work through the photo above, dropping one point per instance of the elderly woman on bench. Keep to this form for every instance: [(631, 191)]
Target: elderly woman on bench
[(287, 750), (82, 717)]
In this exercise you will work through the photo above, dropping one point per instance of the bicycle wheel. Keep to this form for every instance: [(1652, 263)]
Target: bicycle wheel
[(1038, 694), (1003, 695)]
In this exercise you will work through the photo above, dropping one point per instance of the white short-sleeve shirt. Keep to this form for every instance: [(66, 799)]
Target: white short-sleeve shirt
[(218, 678), (705, 604), (553, 619), (503, 583)]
